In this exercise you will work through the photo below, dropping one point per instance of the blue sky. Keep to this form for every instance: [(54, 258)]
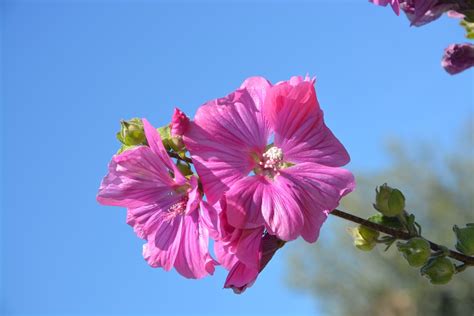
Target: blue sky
[(71, 70)]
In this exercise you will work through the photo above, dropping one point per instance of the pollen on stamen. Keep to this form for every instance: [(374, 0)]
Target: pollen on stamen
[(273, 158)]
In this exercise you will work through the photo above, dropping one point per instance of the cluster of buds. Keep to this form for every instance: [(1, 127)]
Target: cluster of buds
[(131, 134), (436, 266)]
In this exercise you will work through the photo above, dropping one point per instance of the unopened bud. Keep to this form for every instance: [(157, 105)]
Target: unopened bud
[(131, 132), (389, 201), (364, 237), (165, 135), (465, 237), (439, 270), (416, 251), (179, 123)]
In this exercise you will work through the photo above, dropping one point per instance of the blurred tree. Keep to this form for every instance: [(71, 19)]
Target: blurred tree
[(346, 281)]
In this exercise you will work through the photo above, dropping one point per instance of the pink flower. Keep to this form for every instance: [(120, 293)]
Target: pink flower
[(289, 186), (179, 123), (458, 57), (164, 207), (394, 3)]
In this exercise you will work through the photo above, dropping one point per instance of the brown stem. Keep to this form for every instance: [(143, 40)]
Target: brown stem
[(175, 155), (399, 234)]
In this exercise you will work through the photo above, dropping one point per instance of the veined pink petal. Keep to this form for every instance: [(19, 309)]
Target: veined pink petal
[(245, 271), (224, 254), (248, 248), (257, 88), (318, 190), (297, 121), (241, 277), (144, 219), (244, 202), (210, 218), (283, 216), (156, 145), (163, 245), (193, 259), (135, 178), (223, 139)]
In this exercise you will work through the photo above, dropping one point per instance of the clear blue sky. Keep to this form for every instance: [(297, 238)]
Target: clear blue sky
[(71, 70)]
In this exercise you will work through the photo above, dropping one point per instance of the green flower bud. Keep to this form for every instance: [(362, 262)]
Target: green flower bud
[(367, 233), (364, 237), (171, 142), (388, 201), (465, 237), (416, 251), (439, 270), (165, 135), (131, 132)]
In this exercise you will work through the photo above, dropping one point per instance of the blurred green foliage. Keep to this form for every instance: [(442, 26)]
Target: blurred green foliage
[(439, 189)]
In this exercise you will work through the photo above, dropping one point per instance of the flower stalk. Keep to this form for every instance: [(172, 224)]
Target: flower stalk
[(403, 235)]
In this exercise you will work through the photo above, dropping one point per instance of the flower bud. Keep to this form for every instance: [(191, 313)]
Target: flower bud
[(416, 251), (388, 201), (171, 142), (367, 233), (179, 123), (131, 132), (465, 237), (458, 57), (364, 237), (439, 270), (165, 136)]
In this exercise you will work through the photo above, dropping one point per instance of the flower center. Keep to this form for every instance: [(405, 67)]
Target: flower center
[(272, 158)]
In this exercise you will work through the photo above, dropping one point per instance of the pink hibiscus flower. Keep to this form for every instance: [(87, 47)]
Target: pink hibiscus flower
[(164, 207), (288, 186)]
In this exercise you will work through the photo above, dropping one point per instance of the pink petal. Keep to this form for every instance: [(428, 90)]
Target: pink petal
[(156, 145), (210, 218), (144, 218), (249, 247), (193, 259), (222, 140), (163, 245), (244, 202), (224, 254), (281, 212), (297, 120), (257, 88), (240, 277), (318, 190), (135, 178)]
